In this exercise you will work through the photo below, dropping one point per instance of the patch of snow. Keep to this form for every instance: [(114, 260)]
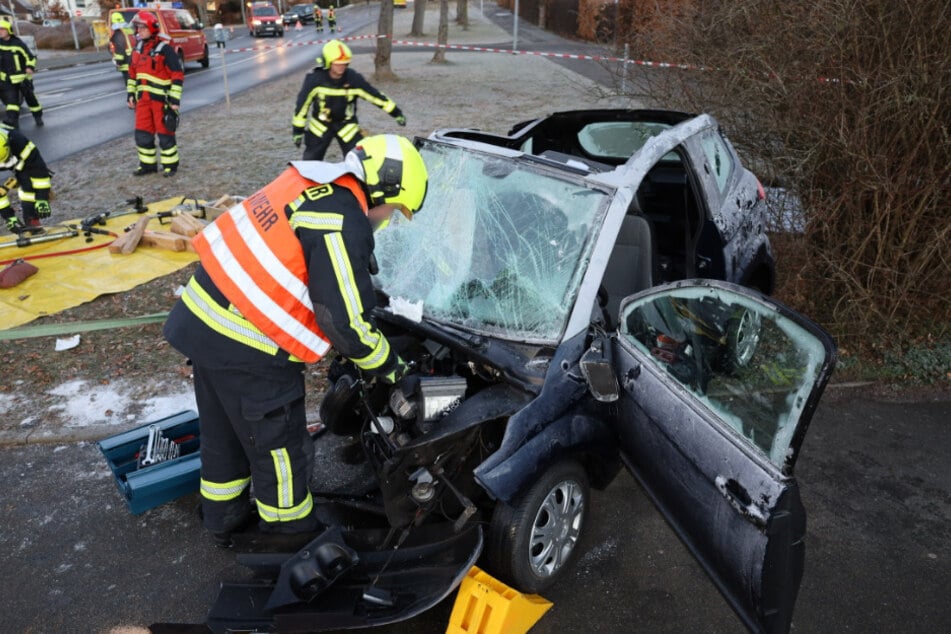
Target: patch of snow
[(83, 403)]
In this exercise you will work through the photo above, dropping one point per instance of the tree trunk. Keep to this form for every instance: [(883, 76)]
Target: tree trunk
[(419, 15), (462, 14), (384, 43), (442, 37)]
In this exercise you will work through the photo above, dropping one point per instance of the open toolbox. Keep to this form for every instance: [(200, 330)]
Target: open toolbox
[(147, 486)]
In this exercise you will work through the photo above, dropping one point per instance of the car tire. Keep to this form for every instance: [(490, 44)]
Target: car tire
[(205, 61), (743, 332), (181, 58), (533, 541)]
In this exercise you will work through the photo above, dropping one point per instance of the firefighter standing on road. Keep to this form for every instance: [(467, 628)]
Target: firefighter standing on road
[(17, 63), (285, 275), (154, 91), (332, 20), (20, 156), (119, 44), (331, 91), (318, 19)]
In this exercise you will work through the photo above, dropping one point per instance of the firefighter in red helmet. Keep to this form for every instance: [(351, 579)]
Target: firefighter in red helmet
[(154, 91)]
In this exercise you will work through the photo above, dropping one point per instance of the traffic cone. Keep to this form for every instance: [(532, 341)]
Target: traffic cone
[(298, 27)]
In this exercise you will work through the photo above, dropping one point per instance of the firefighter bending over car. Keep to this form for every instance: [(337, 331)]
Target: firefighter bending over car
[(285, 275), (154, 90), (17, 63), (119, 44), (19, 155), (331, 91)]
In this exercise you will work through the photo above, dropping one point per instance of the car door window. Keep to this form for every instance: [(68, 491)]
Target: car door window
[(742, 359), (718, 159), (185, 20)]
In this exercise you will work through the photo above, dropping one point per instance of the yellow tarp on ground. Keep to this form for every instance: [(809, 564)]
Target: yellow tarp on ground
[(70, 279)]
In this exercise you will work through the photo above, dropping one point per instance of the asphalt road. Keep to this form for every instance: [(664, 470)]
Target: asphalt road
[(876, 484), (85, 105)]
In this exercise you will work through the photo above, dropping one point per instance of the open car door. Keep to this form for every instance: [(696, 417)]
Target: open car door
[(717, 385)]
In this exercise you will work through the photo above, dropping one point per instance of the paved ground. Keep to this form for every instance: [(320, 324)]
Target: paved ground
[(875, 477)]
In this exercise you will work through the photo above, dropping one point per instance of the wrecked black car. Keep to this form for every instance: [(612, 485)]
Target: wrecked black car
[(548, 298)]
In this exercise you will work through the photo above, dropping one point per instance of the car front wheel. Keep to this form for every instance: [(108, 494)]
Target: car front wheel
[(534, 540)]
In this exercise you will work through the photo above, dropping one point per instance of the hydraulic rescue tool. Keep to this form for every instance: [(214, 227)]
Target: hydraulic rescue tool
[(39, 235), (88, 224)]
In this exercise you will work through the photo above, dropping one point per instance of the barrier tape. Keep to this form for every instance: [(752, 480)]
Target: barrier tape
[(482, 49)]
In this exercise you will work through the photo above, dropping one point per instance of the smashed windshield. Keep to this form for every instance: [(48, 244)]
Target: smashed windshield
[(497, 248)]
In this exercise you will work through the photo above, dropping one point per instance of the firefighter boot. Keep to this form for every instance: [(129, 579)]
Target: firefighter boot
[(142, 170)]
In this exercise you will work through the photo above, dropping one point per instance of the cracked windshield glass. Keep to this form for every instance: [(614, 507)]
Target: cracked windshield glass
[(497, 247)]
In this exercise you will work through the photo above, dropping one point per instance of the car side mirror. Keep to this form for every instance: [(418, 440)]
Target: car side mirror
[(598, 372), (200, 26)]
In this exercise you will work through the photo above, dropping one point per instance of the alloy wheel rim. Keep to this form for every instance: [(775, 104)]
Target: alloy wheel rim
[(556, 528)]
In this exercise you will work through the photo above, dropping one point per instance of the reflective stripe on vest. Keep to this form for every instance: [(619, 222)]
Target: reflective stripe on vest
[(254, 258)]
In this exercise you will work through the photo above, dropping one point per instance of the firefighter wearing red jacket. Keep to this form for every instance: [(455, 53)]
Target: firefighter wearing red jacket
[(154, 91)]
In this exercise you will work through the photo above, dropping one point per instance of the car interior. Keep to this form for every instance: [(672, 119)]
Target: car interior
[(659, 238)]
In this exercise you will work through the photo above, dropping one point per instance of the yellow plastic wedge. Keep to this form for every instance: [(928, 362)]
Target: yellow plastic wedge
[(485, 605)]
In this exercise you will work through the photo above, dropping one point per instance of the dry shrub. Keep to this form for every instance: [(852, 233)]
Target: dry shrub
[(845, 103)]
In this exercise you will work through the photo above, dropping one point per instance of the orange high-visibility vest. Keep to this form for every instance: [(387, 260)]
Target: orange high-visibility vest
[(254, 258)]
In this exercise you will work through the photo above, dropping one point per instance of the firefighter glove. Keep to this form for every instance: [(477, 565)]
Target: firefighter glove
[(396, 373), (400, 120), (43, 208), (298, 138)]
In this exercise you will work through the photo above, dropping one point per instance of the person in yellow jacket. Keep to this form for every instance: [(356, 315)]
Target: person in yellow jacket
[(284, 276), (17, 63), (318, 19), (119, 44)]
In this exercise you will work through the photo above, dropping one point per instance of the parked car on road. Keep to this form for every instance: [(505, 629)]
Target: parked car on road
[(185, 34), (554, 337), (303, 13)]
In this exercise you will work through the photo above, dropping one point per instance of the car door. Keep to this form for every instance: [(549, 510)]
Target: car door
[(717, 386)]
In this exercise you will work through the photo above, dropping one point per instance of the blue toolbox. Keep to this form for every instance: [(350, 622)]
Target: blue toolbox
[(156, 462)]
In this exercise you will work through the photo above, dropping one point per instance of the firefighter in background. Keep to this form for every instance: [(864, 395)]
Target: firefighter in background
[(19, 155), (318, 19), (332, 20), (285, 275), (331, 91), (17, 63), (154, 91), (119, 45)]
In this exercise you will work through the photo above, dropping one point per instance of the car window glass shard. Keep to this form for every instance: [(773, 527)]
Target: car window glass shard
[(499, 246), (751, 366)]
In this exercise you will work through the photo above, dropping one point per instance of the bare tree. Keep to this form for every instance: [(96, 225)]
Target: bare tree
[(384, 43), (442, 37), (844, 103), (462, 14), (419, 15)]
